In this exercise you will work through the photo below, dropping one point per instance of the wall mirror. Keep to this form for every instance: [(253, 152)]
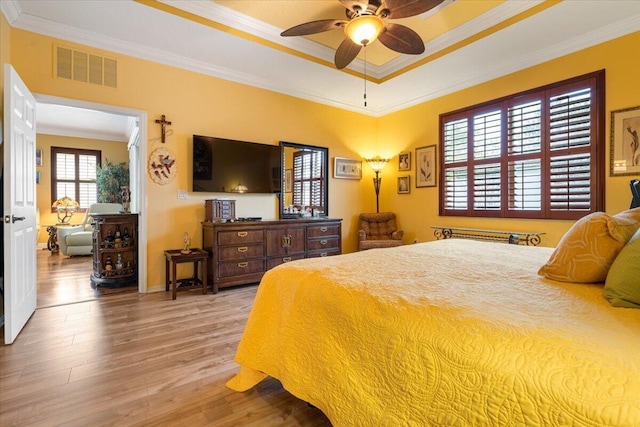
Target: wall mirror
[(304, 180)]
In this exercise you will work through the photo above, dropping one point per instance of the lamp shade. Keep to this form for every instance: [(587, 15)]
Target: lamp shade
[(364, 29), (377, 164), (65, 203), (66, 207), (240, 188)]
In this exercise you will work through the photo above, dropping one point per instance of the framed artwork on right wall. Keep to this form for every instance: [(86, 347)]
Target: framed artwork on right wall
[(625, 146), (426, 166), (404, 161)]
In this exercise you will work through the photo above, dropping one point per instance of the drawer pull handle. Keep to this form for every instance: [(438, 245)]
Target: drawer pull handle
[(323, 242), (323, 229), (286, 240), (243, 249), (323, 254), (242, 234), (243, 264), (286, 259)]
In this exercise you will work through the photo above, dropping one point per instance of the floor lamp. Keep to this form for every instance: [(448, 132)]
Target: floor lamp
[(377, 165)]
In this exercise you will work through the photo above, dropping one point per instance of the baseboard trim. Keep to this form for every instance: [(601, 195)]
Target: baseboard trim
[(160, 288)]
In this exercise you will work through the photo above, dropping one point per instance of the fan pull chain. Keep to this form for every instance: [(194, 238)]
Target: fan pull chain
[(365, 75)]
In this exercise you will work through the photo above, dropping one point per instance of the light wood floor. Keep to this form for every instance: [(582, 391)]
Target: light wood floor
[(65, 280), (139, 360)]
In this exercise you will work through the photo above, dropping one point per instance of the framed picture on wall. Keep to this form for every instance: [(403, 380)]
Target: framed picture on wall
[(625, 146), (404, 184), (426, 167), (347, 168), (404, 161)]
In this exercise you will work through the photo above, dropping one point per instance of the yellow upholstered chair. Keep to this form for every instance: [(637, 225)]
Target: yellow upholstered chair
[(378, 230)]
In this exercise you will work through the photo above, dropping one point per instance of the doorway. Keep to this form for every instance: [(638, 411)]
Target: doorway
[(66, 277)]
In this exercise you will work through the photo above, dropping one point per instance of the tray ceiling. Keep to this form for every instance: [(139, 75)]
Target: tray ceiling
[(467, 42)]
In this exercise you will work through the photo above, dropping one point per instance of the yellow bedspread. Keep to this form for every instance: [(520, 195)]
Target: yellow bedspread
[(447, 333)]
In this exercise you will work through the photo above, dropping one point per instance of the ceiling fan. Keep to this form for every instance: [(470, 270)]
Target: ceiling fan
[(366, 22)]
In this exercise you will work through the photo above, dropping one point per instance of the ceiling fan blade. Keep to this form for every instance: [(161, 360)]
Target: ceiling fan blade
[(347, 52), (313, 27), (401, 39), (355, 6), (394, 9)]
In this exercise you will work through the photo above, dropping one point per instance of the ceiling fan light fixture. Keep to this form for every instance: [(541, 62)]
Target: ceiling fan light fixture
[(364, 29)]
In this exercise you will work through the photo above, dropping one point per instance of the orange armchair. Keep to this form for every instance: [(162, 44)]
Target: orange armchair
[(378, 230)]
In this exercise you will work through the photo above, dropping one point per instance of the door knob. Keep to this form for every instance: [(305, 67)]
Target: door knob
[(13, 218)]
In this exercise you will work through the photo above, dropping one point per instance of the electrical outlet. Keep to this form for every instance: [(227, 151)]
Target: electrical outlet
[(183, 195)]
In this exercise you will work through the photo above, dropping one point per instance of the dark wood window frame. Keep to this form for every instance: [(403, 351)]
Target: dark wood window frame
[(77, 181), (308, 179), (479, 180)]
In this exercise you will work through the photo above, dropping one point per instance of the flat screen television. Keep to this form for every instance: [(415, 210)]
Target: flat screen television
[(228, 166)]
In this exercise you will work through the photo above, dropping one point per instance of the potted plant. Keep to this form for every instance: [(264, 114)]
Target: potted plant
[(110, 178)]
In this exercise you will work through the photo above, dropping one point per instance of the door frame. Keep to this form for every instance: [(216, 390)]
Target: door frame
[(139, 181)]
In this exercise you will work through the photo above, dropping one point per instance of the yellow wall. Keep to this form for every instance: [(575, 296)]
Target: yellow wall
[(113, 151), (197, 104), (418, 126)]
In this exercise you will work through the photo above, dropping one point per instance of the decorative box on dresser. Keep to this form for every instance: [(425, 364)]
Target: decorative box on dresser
[(241, 252), (115, 250)]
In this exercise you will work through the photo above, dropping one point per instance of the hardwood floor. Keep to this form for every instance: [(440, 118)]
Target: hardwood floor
[(65, 280), (139, 360)]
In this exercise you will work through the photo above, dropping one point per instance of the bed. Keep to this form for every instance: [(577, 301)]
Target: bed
[(445, 333)]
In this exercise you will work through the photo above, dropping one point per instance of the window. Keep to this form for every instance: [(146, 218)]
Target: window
[(308, 179), (536, 154), (73, 174)]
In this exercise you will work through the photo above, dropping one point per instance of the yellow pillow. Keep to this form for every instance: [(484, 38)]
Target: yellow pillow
[(588, 249)]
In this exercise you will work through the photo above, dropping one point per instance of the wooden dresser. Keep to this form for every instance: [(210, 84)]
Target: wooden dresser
[(241, 252)]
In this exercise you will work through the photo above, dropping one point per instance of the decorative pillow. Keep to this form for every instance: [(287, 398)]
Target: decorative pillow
[(587, 250), (622, 287)]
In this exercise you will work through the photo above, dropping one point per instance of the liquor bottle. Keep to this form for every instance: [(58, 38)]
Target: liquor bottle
[(118, 237), (108, 265), (119, 264)]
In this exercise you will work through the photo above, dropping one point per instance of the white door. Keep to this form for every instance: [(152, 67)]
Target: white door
[(19, 204)]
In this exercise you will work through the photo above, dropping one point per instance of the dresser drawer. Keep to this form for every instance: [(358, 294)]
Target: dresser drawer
[(323, 231), (233, 253), (285, 241), (240, 237), (323, 244), (240, 268), (328, 252), (273, 262)]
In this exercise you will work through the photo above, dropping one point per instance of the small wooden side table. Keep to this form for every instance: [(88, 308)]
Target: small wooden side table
[(175, 257)]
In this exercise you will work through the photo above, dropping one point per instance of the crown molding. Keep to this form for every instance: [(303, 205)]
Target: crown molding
[(446, 84)]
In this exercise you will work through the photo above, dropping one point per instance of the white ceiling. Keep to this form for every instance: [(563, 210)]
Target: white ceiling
[(76, 122), (210, 38)]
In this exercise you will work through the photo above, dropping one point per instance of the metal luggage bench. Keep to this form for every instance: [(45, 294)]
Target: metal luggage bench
[(512, 237)]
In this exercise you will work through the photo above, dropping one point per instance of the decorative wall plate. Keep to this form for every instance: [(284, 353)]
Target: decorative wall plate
[(162, 166)]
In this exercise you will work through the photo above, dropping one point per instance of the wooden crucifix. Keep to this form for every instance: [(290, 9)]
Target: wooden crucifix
[(163, 123)]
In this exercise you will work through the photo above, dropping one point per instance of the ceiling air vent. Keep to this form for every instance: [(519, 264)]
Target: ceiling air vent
[(86, 67)]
